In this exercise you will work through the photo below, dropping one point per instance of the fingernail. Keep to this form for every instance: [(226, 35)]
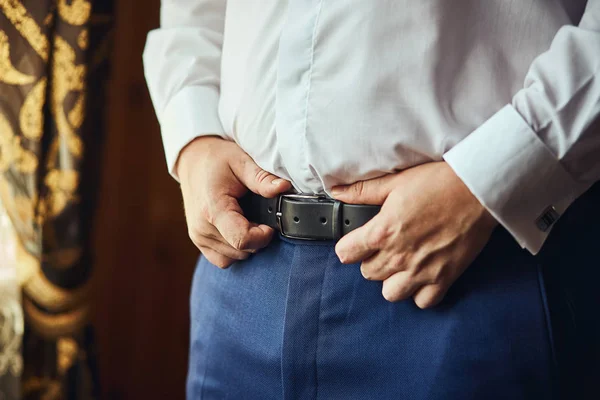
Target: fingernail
[(277, 181), (387, 293), (340, 255), (336, 191)]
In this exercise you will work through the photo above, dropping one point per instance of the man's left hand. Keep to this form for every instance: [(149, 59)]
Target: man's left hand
[(429, 230)]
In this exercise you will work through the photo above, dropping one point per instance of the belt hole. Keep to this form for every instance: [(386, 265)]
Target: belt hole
[(296, 219), (270, 209), (347, 222), (323, 220)]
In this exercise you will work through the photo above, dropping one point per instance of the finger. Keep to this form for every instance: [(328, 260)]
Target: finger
[(210, 233), (429, 295), (257, 179), (400, 286), (241, 234), (362, 242), (382, 265), (226, 250), (215, 258), (373, 191), (353, 247)]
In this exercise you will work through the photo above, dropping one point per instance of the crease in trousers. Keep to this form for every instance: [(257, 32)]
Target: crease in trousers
[(292, 322)]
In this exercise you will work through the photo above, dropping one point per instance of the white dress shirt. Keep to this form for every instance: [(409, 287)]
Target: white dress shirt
[(328, 92)]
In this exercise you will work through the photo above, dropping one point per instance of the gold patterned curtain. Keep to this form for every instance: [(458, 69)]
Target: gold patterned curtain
[(53, 66)]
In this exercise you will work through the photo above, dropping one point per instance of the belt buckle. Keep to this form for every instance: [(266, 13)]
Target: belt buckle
[(278, 213)]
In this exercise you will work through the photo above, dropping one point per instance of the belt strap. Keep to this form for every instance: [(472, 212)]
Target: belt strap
[(308, 217)]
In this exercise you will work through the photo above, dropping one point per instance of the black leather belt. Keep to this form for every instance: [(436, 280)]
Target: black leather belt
[(308, 217)]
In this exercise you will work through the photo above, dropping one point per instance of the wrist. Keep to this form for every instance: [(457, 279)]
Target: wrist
[(483, 215), (190, 152), (487, 219)]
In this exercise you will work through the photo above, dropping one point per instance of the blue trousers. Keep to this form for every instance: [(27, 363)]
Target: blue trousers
[(292, 322)]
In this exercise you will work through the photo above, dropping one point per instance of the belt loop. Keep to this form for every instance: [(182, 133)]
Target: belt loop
[(336, 220)]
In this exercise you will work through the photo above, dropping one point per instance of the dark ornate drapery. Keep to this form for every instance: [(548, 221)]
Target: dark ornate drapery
[(53, 66)]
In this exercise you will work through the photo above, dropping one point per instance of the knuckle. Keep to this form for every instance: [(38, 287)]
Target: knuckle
[(420, 304), (414, 272), (220, 207), (438, 274), (379, 236), (398, 262), (395, 291), (423, 303), (429, 300), (220, 204), (260, 175), (358, 188), (374, 241), (207, 214), (393, 295), (213, 236), (194, 236), (366, 272), (241, 242)]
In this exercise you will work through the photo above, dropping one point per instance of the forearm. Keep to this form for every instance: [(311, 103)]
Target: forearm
[(533, 158)]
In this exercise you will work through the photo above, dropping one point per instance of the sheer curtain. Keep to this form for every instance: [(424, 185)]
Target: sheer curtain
[(11, 315)]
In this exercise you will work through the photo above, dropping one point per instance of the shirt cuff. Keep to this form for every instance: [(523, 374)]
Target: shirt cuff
[(515, 176), (191, 113)]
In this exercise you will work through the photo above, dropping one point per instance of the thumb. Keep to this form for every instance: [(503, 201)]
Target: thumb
[(372, 191), (237, 230), (257, 179)]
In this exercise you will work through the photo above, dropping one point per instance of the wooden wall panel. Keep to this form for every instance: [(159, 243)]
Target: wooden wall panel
[(144, 260)]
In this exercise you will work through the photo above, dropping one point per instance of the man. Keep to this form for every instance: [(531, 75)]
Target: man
[(469, 122)]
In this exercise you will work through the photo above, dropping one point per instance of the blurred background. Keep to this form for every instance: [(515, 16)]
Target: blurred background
[(95, 263), (144, 259)]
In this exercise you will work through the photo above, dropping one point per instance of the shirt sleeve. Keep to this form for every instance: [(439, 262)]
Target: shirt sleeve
[(182, 64), (533, 158)]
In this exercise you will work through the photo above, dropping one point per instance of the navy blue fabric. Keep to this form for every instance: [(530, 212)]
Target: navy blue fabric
[(292, 322)]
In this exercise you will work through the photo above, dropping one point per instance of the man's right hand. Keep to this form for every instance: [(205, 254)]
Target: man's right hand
[(214, 173)]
